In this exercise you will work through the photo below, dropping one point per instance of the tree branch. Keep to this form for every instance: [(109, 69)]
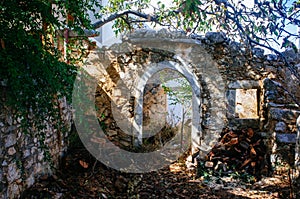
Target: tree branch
[(112, 17), (240, 27)]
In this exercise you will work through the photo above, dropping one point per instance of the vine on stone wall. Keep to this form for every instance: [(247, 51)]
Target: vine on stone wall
[(33, 74)]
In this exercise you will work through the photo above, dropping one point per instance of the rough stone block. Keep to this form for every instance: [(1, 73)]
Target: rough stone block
[(280, 127), (13, 172), (286, 138), (244, 84), (216, 37), (285, 115), (10, 140)]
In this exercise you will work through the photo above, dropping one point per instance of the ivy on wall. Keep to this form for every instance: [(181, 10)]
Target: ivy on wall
[(33, 72)]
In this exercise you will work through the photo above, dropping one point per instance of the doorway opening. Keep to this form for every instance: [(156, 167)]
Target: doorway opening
[(167, 109), (177, 106)]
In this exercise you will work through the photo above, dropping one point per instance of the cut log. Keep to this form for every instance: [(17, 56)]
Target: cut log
[(244, 144), (250, 132), (245, 163), (252, 152), (209, 164)]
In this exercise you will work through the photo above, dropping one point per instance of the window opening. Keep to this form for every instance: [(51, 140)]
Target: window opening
[(246, 104)]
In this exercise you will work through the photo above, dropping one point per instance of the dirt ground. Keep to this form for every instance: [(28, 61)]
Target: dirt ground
[(84, 177)]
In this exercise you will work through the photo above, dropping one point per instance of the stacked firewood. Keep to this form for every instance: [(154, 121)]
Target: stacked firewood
[(242, 150)]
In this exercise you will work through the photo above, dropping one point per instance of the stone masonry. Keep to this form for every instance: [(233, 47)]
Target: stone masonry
[(22, 159), (219, 68)]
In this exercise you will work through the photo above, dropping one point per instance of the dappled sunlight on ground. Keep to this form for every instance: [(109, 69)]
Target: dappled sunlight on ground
[(84, 177)]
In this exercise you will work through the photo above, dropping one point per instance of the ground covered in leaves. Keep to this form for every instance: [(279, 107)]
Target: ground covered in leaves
[(84, 177)]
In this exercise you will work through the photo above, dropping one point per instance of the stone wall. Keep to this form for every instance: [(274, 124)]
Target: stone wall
[(124, 66), (155, 109), (247, 72), (22, 158), (281, 91), (122, 109), (277, 89), (242, 70)]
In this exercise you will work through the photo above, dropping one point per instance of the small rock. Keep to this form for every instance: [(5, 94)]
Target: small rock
[(13, 190), (11, 151), (10, 140), (41, 156), (218, 187), (4, 82), (13, 173), (150, 33), (44, 177), (124, 143), (169, 191), (9, 119), (30, 180), (121, 183), (4, 163), (280, 127), (290, 54), (26, 153), (258, 52), (19, 181), (34, 150), (271, 57), (286, 138), (216, 37), (235, 47), (58, 195), (55, 177), (19, 119), (209, 164), (111, 133)]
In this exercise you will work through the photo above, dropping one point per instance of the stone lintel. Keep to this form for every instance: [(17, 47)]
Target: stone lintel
[(244, 84)]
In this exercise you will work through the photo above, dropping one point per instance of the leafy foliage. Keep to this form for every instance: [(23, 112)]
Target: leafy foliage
[(182, 94), (263, 22), (33, 73)]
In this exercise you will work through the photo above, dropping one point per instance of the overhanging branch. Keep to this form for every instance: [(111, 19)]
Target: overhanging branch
[(112, 17)]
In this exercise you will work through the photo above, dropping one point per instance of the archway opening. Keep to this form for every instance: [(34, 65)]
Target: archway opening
[(167, 109), (194, 137)]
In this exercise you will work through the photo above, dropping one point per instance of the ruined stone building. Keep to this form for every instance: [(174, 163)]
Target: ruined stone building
[(232, 87)]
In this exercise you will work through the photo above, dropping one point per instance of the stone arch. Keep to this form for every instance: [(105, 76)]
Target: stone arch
[(196, 104), (203, 67), (194, 58)]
